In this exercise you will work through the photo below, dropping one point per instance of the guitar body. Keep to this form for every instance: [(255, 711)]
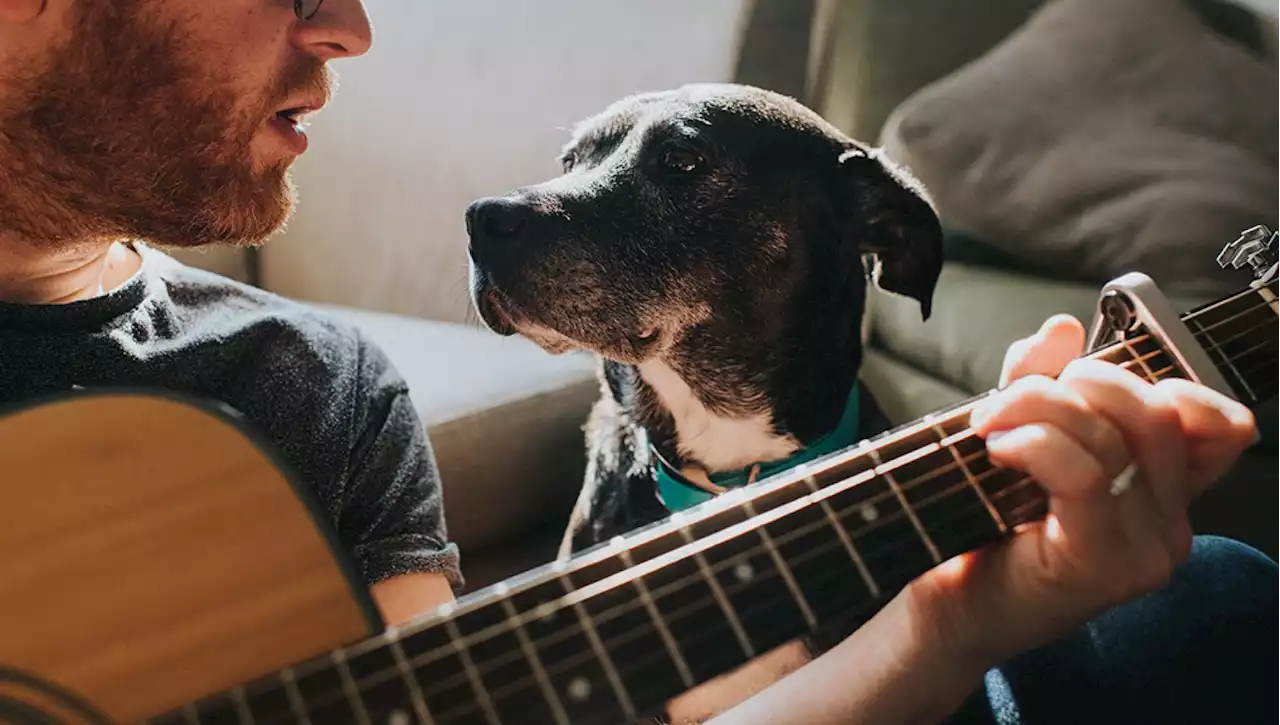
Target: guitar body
[(150, 554)]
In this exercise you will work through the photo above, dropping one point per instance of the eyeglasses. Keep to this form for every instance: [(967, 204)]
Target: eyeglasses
[(306, 9)]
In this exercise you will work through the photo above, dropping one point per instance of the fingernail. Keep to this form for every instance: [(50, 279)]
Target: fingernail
[(979, 415), (995, 436)]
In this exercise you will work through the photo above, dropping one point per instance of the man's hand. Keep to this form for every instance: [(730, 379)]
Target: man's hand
[(920, 656), (408, 596), (1075, 434)]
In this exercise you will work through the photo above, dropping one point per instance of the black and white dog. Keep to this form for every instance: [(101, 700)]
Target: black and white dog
[(712, 245)]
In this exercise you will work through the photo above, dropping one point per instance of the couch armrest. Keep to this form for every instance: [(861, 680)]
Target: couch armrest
[(504, 418)]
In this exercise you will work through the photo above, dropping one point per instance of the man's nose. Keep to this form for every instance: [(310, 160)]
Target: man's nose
[(340, 29), (497, 224)]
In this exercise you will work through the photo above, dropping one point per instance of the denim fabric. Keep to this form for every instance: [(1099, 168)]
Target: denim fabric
[(1203, 649)]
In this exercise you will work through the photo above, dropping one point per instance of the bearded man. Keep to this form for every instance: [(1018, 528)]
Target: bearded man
[(127, 126)]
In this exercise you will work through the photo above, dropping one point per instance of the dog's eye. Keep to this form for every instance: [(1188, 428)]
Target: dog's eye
[(680, 161), (567, 162)]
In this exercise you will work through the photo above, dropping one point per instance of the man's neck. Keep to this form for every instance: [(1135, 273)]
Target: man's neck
[(32, 276)]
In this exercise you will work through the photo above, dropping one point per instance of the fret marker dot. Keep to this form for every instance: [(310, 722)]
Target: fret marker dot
[(398, 717), (744, 572), (579, 689), (869, 512)]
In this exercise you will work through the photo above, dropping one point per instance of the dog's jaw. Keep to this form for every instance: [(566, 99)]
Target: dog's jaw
[(716, 443)]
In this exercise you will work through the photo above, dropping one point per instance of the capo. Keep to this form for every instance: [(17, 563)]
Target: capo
[(1134, 301)]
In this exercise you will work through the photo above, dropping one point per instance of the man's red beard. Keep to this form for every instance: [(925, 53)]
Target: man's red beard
[(126, 133)]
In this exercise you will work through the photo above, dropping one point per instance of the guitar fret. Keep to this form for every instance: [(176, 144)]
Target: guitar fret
[(938, 489), (416, 696), (785, 571), (867, 508), (349, 687), (725, 605), (296, 704), (242, 705), (652, 608), (1137, 357), (847, 542), (906, 507), (473, 675), (950, 443), (539, 672), (597, 646), (749, 578)]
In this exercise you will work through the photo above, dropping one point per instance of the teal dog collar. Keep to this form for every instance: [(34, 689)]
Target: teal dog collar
[(678, 494)]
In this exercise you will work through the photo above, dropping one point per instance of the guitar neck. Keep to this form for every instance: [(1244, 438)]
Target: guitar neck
[(616, 631)]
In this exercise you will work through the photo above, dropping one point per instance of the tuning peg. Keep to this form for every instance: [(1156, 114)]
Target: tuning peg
[(1255, 247)]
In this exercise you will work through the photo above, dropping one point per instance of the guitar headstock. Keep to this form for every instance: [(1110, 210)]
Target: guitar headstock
[(1256, 247)]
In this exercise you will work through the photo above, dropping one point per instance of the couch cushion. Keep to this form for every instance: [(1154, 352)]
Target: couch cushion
[(1100, 138), (904, 392), (978, 312), (505, 420)]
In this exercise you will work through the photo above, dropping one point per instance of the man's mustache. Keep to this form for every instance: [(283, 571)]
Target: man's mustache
[(308, 77)]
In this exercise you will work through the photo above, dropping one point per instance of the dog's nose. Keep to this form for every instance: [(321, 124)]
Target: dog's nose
[(496, 220)]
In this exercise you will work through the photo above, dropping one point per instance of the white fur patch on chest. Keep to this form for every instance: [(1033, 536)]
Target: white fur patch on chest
[(719, 443)]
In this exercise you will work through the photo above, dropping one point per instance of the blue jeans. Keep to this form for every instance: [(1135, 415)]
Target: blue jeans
[(1203, 649)]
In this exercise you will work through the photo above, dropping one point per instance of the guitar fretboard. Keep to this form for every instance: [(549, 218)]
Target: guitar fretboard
[(618, 630)]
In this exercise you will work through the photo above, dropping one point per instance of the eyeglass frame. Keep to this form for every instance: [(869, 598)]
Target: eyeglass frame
[(298, 9)]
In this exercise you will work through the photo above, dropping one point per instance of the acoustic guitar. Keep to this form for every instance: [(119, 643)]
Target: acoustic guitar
[(159, 562)]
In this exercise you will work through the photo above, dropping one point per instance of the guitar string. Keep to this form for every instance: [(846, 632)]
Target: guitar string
[(458, 681), (1270, 320), (447, 685), (851, 613), (779, 595), (1272, 286), (675, 585), (424, 658)]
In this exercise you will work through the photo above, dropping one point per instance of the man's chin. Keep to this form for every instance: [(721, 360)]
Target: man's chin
[(247, 219)]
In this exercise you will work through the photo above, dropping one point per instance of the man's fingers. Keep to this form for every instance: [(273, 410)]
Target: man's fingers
[(1087, 519), (1117, 542), (1037, 399), (1058, 341), (1217, 428), (1207, 414), (1056, 460), (1147, 419)]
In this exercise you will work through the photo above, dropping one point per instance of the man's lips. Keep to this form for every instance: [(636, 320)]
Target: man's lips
[(289, 123)]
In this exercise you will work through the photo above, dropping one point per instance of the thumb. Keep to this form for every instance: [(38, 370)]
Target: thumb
[(1058, 341)]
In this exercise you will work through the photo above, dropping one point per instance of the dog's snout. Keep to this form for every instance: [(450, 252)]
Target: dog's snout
[(497, 220)]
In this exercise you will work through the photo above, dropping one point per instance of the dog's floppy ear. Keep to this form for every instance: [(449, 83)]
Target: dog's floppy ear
[(887, 214)]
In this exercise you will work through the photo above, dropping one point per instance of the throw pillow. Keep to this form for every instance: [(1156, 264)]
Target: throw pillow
[(1102, 137)]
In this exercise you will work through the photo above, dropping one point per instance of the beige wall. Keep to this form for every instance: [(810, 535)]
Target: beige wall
[(461, 99)]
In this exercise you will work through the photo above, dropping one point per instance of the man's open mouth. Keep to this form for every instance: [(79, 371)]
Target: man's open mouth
[(296, 116)]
